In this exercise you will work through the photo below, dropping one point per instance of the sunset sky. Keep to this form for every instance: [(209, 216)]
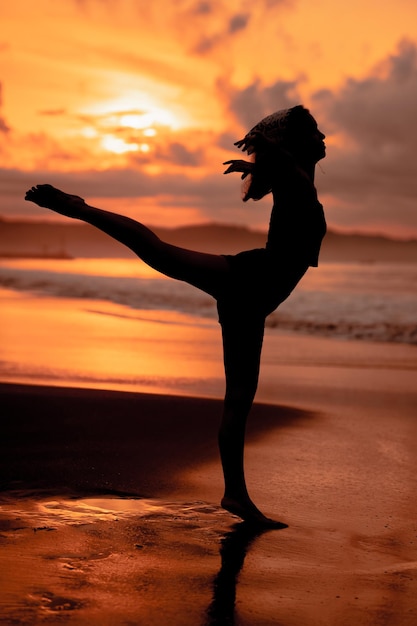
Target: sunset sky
[(135, 104)]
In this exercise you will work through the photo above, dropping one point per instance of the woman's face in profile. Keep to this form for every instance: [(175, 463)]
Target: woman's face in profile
[(306, 141)]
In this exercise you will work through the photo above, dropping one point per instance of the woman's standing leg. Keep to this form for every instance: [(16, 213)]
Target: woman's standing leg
[(242, 346)]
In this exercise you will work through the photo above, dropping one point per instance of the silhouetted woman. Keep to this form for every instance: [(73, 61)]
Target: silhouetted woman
[(248, 286)]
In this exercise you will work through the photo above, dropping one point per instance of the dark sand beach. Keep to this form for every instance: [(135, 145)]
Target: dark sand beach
[(110, 516)]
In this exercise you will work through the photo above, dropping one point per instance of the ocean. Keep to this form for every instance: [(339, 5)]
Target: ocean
[(352, 301)]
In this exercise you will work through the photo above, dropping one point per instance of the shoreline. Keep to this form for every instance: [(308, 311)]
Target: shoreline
[(92, 441)]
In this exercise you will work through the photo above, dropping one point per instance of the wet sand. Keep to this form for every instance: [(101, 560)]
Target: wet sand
[(109, 507), (110, 497)]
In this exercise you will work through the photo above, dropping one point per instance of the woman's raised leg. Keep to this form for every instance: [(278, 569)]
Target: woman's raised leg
[(204, 271), (242, 340)]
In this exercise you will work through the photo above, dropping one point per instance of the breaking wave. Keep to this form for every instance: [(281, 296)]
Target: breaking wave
[(374, 303)]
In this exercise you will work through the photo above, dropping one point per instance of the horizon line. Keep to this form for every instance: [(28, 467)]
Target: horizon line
[(208, 224)]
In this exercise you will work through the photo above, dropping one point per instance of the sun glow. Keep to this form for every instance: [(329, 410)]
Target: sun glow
[(89, 133), (123, 129), (130, 111), (114, 144), (147, 121)]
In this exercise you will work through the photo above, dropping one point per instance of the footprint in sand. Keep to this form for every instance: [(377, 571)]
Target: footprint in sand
[(50, 603)]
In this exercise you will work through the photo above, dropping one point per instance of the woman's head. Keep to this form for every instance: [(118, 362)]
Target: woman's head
[(302, 137), (292, 130)]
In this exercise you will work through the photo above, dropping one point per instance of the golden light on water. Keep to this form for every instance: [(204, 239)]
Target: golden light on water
[(99, 344), (87, 267)]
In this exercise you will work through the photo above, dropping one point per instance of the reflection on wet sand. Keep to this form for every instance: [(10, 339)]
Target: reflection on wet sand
[(233, 549)]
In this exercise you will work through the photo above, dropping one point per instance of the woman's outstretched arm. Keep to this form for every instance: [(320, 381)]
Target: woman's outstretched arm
[(204, 271)]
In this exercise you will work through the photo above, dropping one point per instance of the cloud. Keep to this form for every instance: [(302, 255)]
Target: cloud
[(372, 169), (178, 154), (203, 8), (370, 181), (130, 183), (238, 22), (4, 127), (235, 24), (53, 112), (372, 110), (215, 196), (225, 21), (251, 104)]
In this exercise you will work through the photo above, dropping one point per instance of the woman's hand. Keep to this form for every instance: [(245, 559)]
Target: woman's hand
[(239, 165), (56, 200)]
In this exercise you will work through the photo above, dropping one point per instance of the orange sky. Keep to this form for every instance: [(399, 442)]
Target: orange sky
[(135, 104)]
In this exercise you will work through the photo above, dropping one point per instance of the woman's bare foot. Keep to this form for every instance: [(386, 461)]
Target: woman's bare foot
[(246, 509), (57, 200)]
